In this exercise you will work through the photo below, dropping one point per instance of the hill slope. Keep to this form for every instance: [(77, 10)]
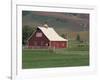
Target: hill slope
[(60, 21)]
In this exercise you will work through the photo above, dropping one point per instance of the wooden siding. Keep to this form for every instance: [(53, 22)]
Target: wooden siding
[(38, 41), (59, 44)]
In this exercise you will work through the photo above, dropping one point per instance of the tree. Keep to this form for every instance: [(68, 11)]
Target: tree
[(78, 37), (26, 33), (63, 35)]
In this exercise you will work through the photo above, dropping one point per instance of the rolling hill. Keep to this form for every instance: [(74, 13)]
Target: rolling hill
[(69, 24), (60, 21)]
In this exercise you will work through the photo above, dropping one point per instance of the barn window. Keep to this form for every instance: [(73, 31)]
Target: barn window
[(39, 34)]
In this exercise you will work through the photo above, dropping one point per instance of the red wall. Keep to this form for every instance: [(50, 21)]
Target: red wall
[(59, 44), (38, 41), (43, 41)]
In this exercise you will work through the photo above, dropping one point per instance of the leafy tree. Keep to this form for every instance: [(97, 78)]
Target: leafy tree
[(78, 37), (26, 33), (63, 35)]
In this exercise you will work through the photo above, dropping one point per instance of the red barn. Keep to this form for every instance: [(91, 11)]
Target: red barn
[(46, 37)]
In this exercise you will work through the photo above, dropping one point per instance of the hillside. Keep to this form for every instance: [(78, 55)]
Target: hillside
[(60, 21)]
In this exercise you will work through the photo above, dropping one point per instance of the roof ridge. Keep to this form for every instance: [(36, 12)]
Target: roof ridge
[(51, 34)]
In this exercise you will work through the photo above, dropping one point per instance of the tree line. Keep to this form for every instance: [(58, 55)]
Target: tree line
[(26, 33)]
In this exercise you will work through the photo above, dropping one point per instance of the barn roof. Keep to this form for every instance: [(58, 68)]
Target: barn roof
[(51, 34)]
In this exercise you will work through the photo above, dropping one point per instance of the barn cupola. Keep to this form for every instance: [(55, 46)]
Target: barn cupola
[(45, 25)]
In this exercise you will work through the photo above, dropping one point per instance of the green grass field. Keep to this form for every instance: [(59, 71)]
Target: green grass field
[(40, 58)]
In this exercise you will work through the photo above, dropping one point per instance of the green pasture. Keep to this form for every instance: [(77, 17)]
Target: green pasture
[(45, 58)]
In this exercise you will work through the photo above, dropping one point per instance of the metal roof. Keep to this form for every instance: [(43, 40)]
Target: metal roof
[(51, 34)]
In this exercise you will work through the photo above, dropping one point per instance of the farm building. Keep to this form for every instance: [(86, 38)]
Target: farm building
[(45, 37)]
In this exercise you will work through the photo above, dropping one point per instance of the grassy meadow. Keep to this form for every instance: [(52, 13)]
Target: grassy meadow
[(67, 25), (75, 55)]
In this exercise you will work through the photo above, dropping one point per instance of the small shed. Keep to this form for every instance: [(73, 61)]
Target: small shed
[(45, 37)]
